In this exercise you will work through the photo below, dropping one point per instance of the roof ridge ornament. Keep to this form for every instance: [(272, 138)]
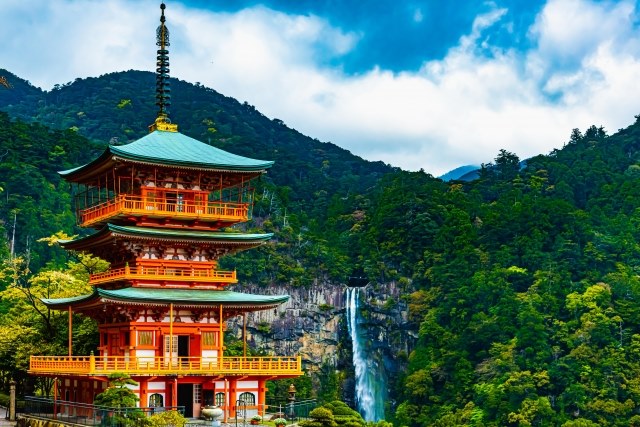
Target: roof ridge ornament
[(163, 90)]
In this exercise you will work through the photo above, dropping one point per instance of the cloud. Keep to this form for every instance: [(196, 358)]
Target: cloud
[(581, 69)]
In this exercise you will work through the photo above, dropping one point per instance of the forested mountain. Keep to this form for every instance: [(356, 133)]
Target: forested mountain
[(521, 286), (118, 108), (525, 285), (310, 179)]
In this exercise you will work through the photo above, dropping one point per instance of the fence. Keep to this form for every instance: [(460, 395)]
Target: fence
[(293, 411), (89, 415)]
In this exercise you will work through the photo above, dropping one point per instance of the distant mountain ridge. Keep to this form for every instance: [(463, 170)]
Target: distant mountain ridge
[(462, 173), (117, 108)]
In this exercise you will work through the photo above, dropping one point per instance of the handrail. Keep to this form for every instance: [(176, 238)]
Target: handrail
[(165, 273), (136, 205), (158, 365)]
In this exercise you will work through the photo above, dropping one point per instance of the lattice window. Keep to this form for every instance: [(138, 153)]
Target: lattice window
[(248, 398), (197, 393), (219, 399), (210, 339), (145, 337), (156, 400)]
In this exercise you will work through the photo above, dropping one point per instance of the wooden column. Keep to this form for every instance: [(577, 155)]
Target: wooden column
[(70, 331), (233, 396), (262, 397), (171, 335), (174, 392), (226, 407), (244, 334), (220, 324), (144, 400)]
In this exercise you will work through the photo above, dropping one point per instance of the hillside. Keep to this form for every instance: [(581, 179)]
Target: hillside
[(524, 286), (117, 108), (512, 299)]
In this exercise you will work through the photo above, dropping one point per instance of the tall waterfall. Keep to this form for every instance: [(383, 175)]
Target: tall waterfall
[(370, 378)]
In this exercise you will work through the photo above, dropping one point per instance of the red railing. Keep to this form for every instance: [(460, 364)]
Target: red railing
[(125, 204), (164, 274), (149, 365)]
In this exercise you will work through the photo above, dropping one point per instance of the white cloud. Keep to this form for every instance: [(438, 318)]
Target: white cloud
[(462, 109)]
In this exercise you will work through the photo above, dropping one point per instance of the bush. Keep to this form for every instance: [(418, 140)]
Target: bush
[(345, 416), (320, 417), (167, 419)]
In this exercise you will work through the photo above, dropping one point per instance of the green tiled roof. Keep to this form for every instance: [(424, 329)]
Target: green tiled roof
[(192, 234), (171, 234), (165, 296), (176, 149)]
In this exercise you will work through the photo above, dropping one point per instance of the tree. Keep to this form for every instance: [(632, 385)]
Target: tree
[(320, 417), (120, 401), (118, 395)]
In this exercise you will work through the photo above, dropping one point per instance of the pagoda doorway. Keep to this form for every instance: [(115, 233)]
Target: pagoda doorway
[(183, 349), (185, 398), (114, 345), (177, 349)]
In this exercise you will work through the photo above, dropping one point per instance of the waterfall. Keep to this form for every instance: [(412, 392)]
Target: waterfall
[(370, 378)]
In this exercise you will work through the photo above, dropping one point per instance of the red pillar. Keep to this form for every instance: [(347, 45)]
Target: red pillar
[(144, 400), (233, 387), (262, 397)]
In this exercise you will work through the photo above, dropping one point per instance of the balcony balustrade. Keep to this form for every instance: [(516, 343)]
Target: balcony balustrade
[(164, 274), (147, 365), (125, 204)]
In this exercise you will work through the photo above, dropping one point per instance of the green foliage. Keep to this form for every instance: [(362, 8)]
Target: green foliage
[(167, 419), (278, 390), (521, 287), (319, 417), (118, 395), (28, 327), (343, 415)]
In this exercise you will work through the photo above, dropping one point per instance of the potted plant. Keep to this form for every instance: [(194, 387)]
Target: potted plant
[(280, 422), (255, 420)]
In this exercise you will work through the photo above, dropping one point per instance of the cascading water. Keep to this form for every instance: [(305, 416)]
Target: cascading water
[(370, 379)]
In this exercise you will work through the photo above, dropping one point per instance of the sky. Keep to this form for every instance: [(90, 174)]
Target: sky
[(418, 84)]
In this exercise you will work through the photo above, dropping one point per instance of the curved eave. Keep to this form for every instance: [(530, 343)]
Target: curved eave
[(180, 298), (169, 149), (111, 232)]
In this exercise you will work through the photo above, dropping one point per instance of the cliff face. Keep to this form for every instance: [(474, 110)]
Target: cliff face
[(312, 323)]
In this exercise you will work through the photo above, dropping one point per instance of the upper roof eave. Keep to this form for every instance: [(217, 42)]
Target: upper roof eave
[(164, 233), (171, 149), (179, 297)]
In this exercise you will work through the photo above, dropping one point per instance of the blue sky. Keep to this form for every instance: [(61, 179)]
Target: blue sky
[(417, 84)]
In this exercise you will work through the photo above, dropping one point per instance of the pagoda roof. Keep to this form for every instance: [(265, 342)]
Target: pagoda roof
[(111, 231), (164, 296), (172, 149)]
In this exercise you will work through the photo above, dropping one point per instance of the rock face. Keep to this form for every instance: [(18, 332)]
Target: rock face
[(312, 324)]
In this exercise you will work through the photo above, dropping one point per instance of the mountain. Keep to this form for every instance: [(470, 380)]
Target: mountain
[(462, 173), (512, 299), (117, 108)]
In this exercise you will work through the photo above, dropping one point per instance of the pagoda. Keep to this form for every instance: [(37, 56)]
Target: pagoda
[(161, 208)]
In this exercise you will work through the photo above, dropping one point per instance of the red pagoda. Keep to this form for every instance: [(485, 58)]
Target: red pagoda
[(162, 207)]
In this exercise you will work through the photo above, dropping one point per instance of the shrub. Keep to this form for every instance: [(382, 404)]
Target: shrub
[(167, 419), (320, 417)]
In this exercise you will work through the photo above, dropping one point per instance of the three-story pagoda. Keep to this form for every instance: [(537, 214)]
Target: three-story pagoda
[(159, 206)]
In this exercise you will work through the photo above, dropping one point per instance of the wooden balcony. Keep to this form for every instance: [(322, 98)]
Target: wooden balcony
[(145, 365), (165, 274), (125, 205)]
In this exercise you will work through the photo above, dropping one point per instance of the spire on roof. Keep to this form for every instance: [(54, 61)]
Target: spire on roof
[(163, 90)]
